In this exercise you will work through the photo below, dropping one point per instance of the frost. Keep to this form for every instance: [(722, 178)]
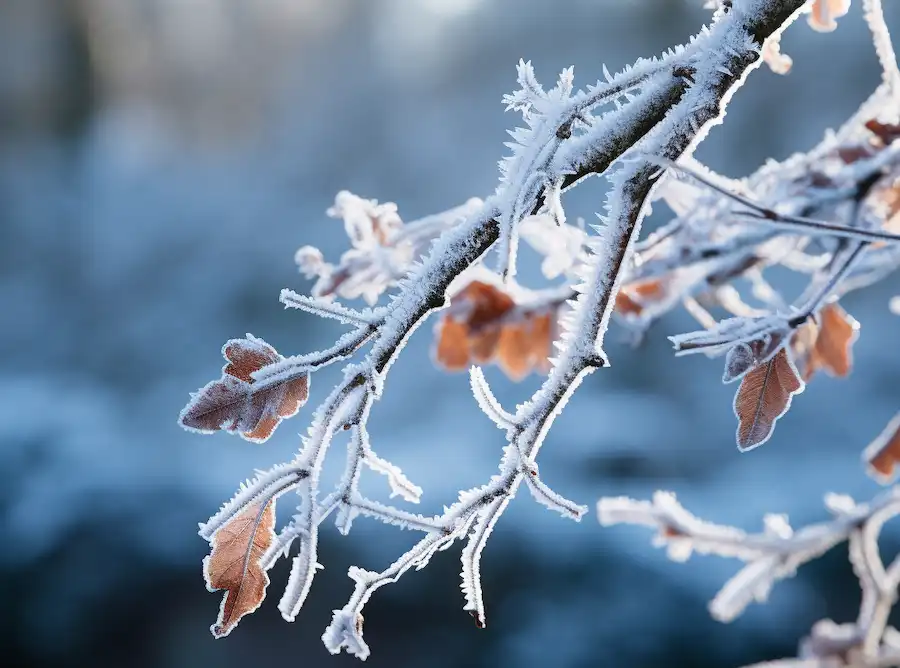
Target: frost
[(828, 214), (776, 554)]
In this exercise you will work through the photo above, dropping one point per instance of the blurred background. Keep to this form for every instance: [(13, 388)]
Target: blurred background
[(161, 160)]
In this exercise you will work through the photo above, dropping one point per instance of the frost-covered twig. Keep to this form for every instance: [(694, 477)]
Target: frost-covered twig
[(653, 113), (777, 553)]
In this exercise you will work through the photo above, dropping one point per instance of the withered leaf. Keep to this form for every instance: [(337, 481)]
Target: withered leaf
[(827, 344), (837, 332), (233, 564), (885, 132), (484, 325), (763, 397), (634, 297), (237, 403), (883, 454)]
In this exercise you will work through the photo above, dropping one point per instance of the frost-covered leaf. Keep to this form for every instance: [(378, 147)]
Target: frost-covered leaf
[(233, 564), (634, 297), (237, 403), (763, 397), (751, 354), (485, 325), (883, 454), (826, 344)]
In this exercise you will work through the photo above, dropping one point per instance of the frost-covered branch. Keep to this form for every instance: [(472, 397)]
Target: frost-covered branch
[(777, 553), (637, 128)]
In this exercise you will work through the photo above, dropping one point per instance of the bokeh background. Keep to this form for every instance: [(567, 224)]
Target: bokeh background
[(161, 160)]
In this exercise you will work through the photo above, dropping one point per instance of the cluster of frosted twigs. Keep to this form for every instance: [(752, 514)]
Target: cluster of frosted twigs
[(830, 214)]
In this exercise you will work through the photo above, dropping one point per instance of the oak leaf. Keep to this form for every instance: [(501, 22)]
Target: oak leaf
[(883, 454), (233, 564), (237, 402), (763, 397)]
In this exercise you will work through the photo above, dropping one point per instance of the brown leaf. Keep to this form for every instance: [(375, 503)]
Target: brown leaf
[(236, 404), (883, 454), (634, 297), (885, 132), (233, 564), (763, 397), (542, 335), (484, 325), (453, 345), (514, 350), (837, 332), (826, 345)]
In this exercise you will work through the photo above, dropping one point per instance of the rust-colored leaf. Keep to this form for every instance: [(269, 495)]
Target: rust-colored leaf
[(542, 335), (484, 304), (452, 345), (634, 297), (483, 324), (883, 454), (237, 403), (233, 564), (514, 350), (763, 397), (826, 345), (837, 332), (885, 132)]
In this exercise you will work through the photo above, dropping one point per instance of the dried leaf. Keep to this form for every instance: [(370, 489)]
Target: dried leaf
[(826, 345), (883, 454), (233, 564), (514, 351), (763, 397), (453, 345), (837, 332), (236, 403), (633, 298), (484, 325)]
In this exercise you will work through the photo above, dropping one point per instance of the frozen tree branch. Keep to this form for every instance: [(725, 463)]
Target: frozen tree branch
[(826, 214), (777, 553)]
